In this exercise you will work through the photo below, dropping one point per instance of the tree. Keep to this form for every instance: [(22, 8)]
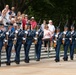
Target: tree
[(56, 10)]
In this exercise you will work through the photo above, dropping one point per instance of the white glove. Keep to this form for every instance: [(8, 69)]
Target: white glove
[(26, 32), (71, 32), (35, 38), (70, 38), (24, 38), (56, 35), (54, 41), (7, 33), (15, 38), (37, 33), (64, 32), (16, 31), (5, 40), (63, 38)]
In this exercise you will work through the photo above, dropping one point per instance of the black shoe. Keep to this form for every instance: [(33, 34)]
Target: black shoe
[(17, 62), (26, 61), (37, 59), (71, 58), (7, 63), (65, 59), (0, 64), (57, 60)]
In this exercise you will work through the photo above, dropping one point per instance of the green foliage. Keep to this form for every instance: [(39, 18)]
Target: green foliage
[(57, 10)]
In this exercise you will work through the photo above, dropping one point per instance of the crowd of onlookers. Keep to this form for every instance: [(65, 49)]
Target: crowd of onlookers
[(9, 15)]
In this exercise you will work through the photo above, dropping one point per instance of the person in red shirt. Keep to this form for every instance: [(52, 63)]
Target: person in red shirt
[(23, 21), (33, 23)]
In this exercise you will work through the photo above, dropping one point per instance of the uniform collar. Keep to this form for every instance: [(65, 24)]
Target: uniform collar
[(9, 30), (57, 33), (19, 29), (28, 29), (65, 31), (72, 31)]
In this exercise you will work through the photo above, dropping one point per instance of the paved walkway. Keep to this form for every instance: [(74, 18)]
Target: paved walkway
[(44, 67)]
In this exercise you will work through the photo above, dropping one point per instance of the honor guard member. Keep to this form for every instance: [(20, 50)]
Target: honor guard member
[(19, 36), (38, 40), (72, 42), (66, 42), (29, 40), (57, 43), (2, 36), (9, 39)]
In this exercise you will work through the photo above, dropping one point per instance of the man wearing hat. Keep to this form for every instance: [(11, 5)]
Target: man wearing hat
[(33, 23), (72, 42), (66, 42), (38, 45), (18, 45), (9, 40), (57, 43), (29, 40), (2, 36)]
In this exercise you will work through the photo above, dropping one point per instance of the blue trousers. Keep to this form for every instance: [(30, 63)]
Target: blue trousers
[(1, 44), (8, 53), (72, 46), (38, 50), (17, 49), (27, 48), (57, 49), (66, 50)]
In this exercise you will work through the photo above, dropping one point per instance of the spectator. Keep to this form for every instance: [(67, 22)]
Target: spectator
[(23, 21), (33, 23), (13, 12), (52, 29), (46, 38), (43, 25), (19, 16)]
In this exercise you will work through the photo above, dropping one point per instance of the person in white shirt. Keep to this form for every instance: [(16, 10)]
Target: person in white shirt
[(43, 25), (52, 29), (46, 38), (6, 16)]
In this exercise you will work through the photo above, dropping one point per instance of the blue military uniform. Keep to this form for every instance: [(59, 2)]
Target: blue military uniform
[(72, 43), (58, 41), (38, 45), (18, 45), (10, 44), (2, 36), (66, 43), (28, 43)]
